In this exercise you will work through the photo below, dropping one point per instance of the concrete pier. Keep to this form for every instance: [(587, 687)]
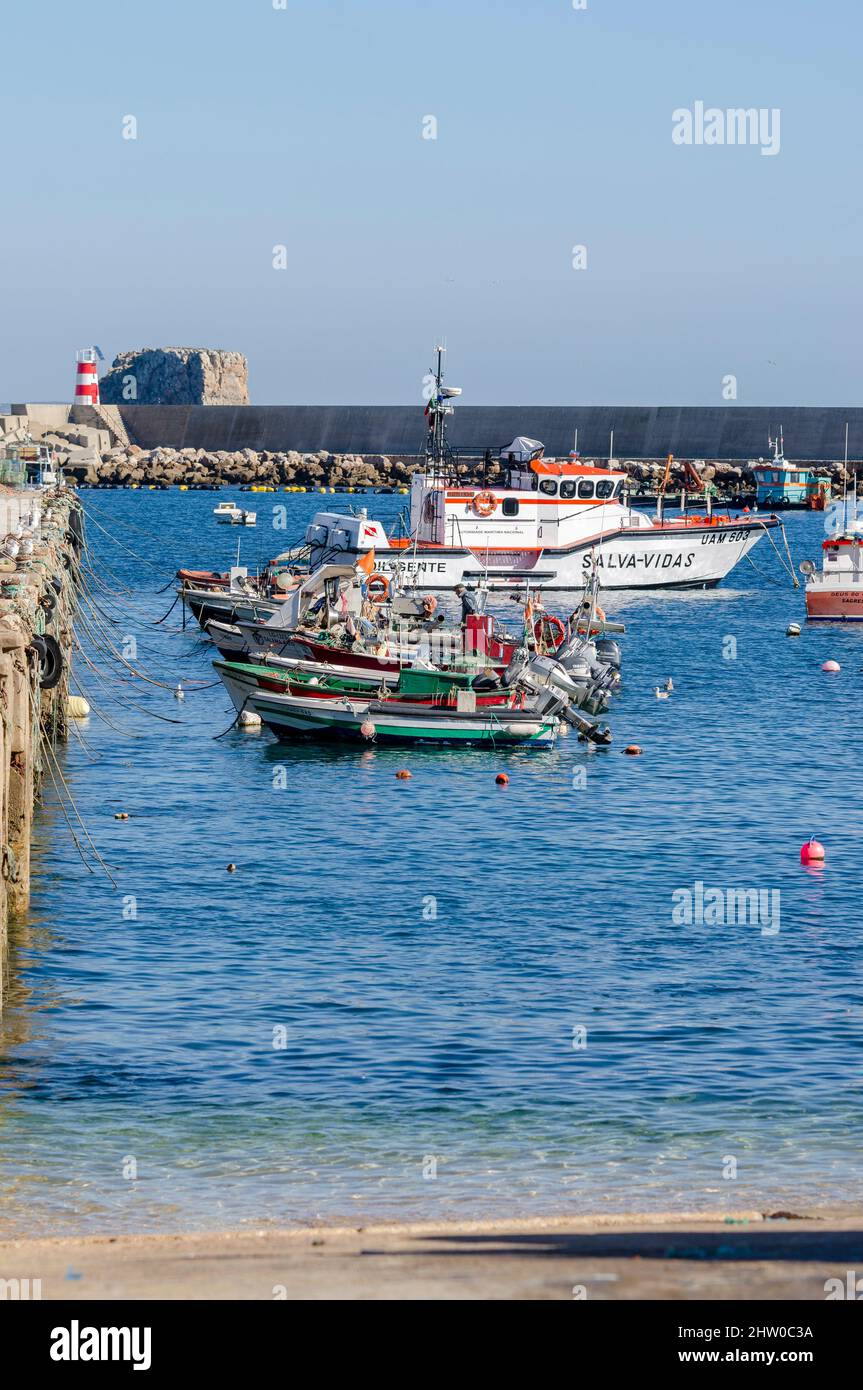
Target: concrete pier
[(37, 603)]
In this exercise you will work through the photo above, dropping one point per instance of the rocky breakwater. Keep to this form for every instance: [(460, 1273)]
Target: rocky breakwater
[(38, 578), (129, 466), (176, 376)]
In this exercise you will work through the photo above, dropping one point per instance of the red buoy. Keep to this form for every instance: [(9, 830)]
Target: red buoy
[(813, 852), (502, 779), (403, 774), (633, 749)]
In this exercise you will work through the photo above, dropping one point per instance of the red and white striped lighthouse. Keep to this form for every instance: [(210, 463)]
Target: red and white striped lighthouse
[(87, 378)]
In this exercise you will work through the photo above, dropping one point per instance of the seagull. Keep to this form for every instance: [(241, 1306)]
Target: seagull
[(661, 694), (669, 684)]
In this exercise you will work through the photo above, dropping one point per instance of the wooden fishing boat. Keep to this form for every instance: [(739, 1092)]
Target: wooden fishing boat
[(396, 721), (244, 679)]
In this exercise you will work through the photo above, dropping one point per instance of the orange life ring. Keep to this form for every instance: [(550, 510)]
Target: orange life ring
[(547, 620), (378, 588), (484, 503)]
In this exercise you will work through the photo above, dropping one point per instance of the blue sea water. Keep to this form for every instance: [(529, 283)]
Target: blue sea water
[(437, 997)]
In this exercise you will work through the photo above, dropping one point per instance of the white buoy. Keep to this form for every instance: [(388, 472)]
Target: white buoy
[(249, 720), (792, 630), (179, 693), (77, 707)]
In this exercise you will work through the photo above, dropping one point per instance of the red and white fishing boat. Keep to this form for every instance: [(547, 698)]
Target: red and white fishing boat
[(834, 593), (545, 524)]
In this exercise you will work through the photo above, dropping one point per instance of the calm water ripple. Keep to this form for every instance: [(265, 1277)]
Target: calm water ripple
[(419, 1044)]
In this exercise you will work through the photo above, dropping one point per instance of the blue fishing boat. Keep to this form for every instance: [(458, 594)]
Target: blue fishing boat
[(783, 484)]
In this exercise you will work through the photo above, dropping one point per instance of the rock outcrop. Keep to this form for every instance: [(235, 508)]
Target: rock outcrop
[(176, 376)]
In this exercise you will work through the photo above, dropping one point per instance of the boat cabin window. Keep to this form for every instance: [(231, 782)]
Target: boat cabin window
[(549, 487), (604, 488), (567, 488), (509, 506), (618, 488), (585, 487)]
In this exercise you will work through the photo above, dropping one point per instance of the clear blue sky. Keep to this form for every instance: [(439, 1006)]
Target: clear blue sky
[(302, 127)]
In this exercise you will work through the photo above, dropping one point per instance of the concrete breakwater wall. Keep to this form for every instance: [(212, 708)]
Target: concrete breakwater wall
[(37, 605), (733, 433), (334, 447)]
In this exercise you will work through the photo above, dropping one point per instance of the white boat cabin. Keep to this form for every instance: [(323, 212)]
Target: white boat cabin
[(542, 503)]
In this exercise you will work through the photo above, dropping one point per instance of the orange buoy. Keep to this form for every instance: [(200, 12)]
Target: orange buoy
[(831, 666), (633, 749), (121, 815), (403, 774), (813, 852), (502, 779)]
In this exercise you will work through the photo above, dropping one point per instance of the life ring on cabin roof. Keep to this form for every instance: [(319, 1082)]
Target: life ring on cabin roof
[(378, 588), (547, 624), (484, 503)]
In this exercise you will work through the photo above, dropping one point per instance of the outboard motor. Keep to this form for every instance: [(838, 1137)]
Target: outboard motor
[(608, 650), (517, 663), (545, 674), (597, 702)]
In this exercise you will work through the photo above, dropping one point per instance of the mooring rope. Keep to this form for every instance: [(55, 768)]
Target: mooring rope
[(139, 674), (141, 558), (45, 746)]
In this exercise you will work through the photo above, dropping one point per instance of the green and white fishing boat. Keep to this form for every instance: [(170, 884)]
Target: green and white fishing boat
[(433, 687), (402, 721)]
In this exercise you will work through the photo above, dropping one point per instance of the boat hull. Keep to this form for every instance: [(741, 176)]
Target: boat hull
[(403, 723), (226, 607), (834, 605), (662, 557)]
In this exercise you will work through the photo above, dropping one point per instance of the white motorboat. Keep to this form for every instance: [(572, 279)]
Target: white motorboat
[(546, 524)]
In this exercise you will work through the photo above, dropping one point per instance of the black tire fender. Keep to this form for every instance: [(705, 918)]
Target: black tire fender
[(50, 658)]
